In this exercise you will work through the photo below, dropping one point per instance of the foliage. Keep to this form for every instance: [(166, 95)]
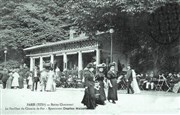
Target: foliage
[(71, 73), (103, 14), (10, 64), (24, 23), (130, 20)]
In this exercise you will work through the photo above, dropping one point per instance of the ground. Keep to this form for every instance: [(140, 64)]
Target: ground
[(68, 101)]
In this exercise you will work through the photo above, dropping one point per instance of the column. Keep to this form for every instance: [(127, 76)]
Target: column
[(52, 59), (97, 57), (31, 63), (80, 66), (64, 61), (41, 63), (80, 61)]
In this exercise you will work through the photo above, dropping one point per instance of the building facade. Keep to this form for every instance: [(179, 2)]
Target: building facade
[(76, 52)]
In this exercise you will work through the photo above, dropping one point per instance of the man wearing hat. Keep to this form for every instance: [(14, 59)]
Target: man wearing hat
[(89, 97), (100, 79), (129, 80), (112, 81)]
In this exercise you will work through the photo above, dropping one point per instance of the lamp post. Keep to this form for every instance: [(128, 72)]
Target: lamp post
[(111, 31), (5, 52)]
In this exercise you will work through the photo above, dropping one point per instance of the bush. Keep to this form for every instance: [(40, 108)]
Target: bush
[(75, 83), (81, 74), (10, 64), (70, 72)]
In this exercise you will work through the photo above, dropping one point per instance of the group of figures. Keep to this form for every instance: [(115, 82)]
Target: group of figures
[(46, 78), (168, 81), (95, 83), (14, 78)]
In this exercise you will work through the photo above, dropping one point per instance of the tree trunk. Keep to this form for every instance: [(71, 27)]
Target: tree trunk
[(155, 64)]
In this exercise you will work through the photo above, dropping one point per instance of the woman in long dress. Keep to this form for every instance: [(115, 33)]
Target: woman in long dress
[(112, 81), (15, 82), (50, 80), (100, 79), (9, 81), (21, 78), (89, 98), (134, 84)]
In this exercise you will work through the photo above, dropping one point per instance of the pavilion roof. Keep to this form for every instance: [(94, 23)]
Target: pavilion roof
[(77, 39), (57, 43)]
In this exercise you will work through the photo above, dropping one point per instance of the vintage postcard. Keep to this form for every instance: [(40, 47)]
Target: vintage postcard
[(90, 57)]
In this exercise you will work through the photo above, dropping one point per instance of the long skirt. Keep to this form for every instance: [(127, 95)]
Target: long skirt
[(15, 82), (99, 97), (21, 82), (101, 91), (49, 85), (9, 83), (112, 91), (89, 98), (135, 86)]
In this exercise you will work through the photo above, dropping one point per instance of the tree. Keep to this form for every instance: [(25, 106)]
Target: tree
[(25, 23), (130, 19)]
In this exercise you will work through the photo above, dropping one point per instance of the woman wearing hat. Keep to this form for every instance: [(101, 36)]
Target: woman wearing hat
[(112, 80), (89, 97), (9, 81), (15, 82), (100, 79)]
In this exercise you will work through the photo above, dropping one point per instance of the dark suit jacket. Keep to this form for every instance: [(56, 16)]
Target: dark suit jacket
[(38, 75), (129, 75), (5, 77)]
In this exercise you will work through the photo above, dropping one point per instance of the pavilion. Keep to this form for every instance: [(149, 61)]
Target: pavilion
[(76, 52)]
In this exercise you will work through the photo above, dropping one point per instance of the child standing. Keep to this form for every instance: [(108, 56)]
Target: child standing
[(30, 80)]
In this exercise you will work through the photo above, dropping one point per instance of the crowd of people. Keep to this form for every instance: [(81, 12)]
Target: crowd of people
[(94, 84), (14, 78), (164, 82), (46, 78), (95, 79)]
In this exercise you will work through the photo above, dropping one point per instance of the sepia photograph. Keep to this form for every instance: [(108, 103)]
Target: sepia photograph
[(101, 57)]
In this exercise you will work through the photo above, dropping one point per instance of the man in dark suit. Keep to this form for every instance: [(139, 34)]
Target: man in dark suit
[(36, 74), (5, 77), (129, 80)]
